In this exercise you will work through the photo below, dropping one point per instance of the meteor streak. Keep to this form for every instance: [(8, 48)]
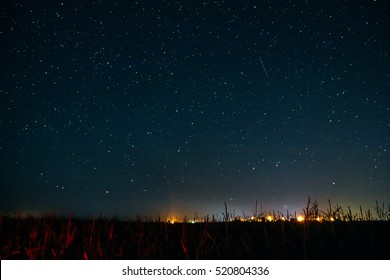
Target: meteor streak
[(265, 70)]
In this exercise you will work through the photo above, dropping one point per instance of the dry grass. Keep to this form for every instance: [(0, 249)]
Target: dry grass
[(334, 233)]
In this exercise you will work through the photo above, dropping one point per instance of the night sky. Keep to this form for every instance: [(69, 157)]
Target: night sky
[(155, 107)]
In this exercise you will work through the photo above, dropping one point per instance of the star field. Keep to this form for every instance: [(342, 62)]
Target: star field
[(154, 107)]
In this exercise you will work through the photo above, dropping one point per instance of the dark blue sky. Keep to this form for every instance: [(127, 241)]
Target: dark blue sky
[(154, 107)]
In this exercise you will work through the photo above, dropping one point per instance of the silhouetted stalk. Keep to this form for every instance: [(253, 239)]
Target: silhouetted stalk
[(256, 210), (349, 214), (226, 217), (306, 211)]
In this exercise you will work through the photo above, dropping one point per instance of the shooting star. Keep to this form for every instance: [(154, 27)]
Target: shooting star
[(265, 70)]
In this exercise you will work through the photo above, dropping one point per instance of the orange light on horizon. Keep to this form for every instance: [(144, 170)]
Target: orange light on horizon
[(300, 218), (270, 218)]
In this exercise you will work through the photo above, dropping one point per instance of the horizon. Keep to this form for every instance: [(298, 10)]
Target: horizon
[(336, 209)]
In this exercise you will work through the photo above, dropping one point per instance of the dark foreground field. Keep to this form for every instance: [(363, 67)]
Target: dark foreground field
[(68, 238)]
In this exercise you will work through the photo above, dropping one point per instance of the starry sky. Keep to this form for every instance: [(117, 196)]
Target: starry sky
[(155, 107)]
